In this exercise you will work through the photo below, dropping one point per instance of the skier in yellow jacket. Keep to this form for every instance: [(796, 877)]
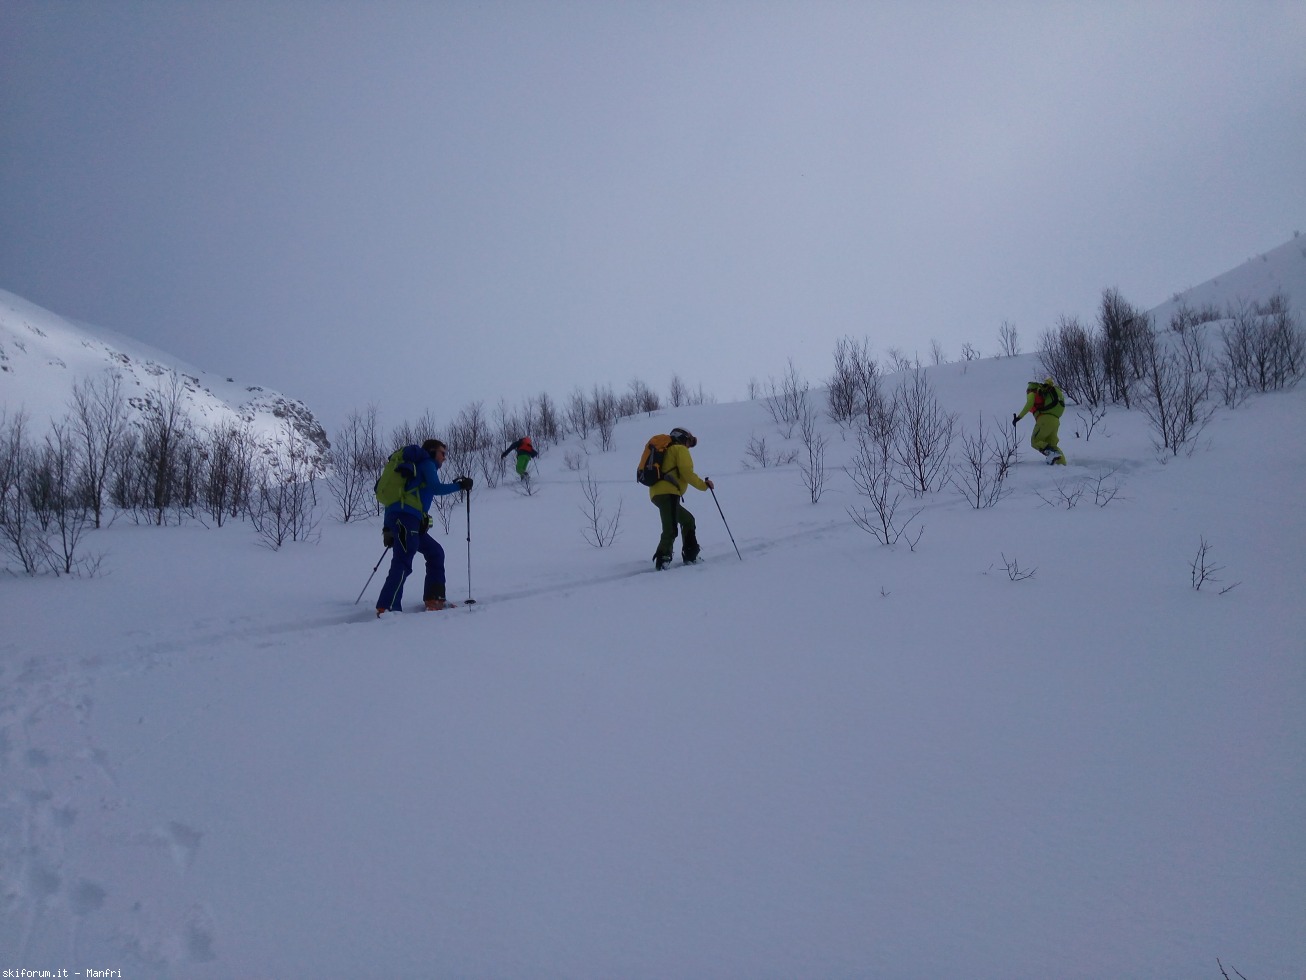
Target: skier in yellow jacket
[(1047, 402), (678, 466)]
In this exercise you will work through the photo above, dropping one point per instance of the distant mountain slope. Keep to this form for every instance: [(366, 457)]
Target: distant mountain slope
[(42, 355), (1280, 270)]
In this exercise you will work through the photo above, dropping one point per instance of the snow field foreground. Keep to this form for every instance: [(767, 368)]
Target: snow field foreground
[(829, 759)]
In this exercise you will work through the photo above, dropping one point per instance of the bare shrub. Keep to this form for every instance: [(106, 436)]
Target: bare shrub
[(980, 474), (1105, 488), (1202, 569), (228, 457), (1174, 400), (1264, 349), (1066, 493), (1014, 572), (99, 421), (70, 515), (577, 414), (922, 434), (1071, 355), (284, 506), (603, 411), (1125, 333), (20, 534), (787, 400), (873, 474), (900, 361), (355, 460), (549, 425), (1090, 416), (814, 445), (443, 507), (854, 389), (600, 530), (1008, 341)]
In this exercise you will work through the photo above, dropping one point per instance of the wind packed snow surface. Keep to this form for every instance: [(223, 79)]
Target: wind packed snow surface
[(828, 759)]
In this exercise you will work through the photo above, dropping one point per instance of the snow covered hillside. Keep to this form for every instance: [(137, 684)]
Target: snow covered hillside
[(831, 758), (1280, 270), (1020, 742), (43, 355)]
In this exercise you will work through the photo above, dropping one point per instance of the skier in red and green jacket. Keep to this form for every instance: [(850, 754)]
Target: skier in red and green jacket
[(1047, 402)]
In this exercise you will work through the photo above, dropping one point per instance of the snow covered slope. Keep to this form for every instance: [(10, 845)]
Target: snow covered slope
[(42, 355)]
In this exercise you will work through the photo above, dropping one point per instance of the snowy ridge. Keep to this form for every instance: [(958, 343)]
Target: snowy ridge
[(42, 355), (1280, 270)]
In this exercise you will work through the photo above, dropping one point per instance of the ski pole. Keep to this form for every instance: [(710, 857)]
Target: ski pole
[(373, 575), (723, 521), (470, 600)]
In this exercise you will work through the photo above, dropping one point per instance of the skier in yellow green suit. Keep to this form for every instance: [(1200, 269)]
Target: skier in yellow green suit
[(1047, 402), (678, 465)]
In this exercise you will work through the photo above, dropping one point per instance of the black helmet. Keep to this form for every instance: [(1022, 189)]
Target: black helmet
[(683, 436)]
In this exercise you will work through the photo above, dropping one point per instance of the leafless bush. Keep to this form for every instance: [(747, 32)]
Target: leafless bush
[(227, 479), (873, 474), (1104, 488), (1264, 349), (20, 534), (1066, 493), (1072, 356), (814, 444), (677, 392), (979, 476), (443, 507), (62, 466), (471, 449), (1174, 400), (355, 461), (573, 460), (787, 400), (284, 506), (600, 530), (1091, 416), (603, 412), (1126, 334), (969, 352), (1014, 572), (548, 422), (1008, 342), (922, 434), (1203, 570), (764, 456), (854, 389), (99, 421), (642, 398), (577, 414), (900, 361), (937, 355)]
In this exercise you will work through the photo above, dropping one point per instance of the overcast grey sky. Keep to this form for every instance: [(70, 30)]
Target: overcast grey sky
[(422, 204)]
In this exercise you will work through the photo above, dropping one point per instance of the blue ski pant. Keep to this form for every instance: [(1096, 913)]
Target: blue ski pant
[(408, 541)]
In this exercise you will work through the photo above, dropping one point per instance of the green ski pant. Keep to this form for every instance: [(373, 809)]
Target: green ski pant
[(523, 461), (674, 516), (1045, 433)]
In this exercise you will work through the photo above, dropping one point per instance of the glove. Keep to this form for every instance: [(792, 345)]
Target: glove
[(1014, 418), (387, 537), (464, 484), (426, 523)]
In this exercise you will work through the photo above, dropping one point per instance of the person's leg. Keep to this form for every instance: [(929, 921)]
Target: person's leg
[(689, 534), (667, 504), (401, 565), (433, 586)]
